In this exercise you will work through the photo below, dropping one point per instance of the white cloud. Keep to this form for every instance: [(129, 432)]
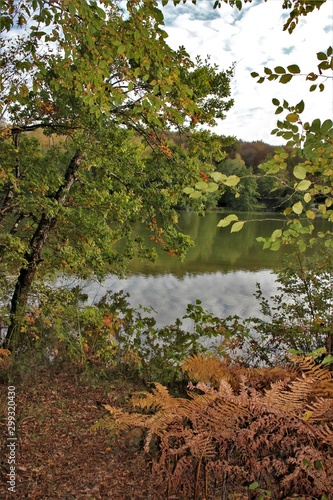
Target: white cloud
[(253, 38), (221, 294)]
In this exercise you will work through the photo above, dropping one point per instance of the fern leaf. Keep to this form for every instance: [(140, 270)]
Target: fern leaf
[(310, 368)]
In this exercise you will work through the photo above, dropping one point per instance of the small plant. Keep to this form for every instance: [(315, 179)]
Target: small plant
[(275, 441)]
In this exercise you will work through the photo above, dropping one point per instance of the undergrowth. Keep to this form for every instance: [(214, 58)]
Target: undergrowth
[(248, 432)]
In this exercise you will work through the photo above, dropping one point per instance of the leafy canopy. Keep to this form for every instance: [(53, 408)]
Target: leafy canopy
[(104, 86)]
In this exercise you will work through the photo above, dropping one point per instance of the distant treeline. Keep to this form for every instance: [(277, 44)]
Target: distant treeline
[(256, 191)]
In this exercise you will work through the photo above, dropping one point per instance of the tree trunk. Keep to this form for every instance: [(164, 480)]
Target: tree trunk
[(34, 252)]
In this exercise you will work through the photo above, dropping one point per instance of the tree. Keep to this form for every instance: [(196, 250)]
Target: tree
[(246, 196), (311, 187), (104, 82), (254, 153)]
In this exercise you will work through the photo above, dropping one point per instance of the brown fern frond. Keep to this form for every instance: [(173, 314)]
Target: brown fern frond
[(323, 388), (326, 432), (158, 399), (291, 398), (118, 420), (310, 368), (5, 358), (208, 369), (319, 410)]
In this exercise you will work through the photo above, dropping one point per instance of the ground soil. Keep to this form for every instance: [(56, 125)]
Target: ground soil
[(57, 455)]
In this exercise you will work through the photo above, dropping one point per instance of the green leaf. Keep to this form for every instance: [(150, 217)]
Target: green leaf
[(326, 126), (279, 70), (232, 180), (286, 78), (254, 486), (201, 185), (188, 190), (212, 187), (254, 74), (303, 185), (237, 226), (276, 245), (307, 197), (315, 125), (313, 87), (72, 9), (227, 220), (328, 360), (299, 172), (218, 177), (318, 464), (300, 107), (321, 56), (301, 246), (275, 101), (276, 234), (293, 68), (297, 207), (195, 194)]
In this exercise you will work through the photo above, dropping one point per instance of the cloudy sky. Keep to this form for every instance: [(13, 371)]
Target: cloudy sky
[(253, 38)]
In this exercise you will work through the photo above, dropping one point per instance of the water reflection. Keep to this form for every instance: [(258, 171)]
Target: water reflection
[(221, 294), (221, 270), (216, 250)]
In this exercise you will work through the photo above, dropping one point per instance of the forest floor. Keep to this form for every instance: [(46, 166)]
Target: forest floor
[(56, 453)]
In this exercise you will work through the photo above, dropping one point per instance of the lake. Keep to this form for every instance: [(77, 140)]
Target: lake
[(221, 270)]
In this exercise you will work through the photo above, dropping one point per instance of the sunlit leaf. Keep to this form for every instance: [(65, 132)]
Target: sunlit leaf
[(227, 220), (276, 234), (218, 176), (303, 185), (232, 180), (299, 172), (297, 208), (237, 226)]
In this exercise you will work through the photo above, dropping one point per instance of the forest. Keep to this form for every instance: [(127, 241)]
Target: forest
[(103, 126)]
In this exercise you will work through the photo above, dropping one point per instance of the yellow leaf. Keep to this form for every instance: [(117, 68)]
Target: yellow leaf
[(237, 226), (227, 220), (310, 214), (232, 180), (299, 172), (307, 415), (298, 208), (292, 117), (303, 185)]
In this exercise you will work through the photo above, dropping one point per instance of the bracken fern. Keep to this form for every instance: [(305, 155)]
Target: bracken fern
[(220, 440)]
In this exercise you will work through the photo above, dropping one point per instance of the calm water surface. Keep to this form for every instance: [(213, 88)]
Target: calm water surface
[(221, 270)]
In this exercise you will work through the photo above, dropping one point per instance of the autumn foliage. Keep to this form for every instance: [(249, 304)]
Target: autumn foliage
[(254, 433)]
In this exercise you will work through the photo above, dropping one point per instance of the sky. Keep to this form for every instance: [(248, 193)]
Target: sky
[(253, 38)]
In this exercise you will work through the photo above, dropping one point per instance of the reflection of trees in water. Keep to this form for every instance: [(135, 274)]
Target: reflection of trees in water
[(215, 248), (216, 245)]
